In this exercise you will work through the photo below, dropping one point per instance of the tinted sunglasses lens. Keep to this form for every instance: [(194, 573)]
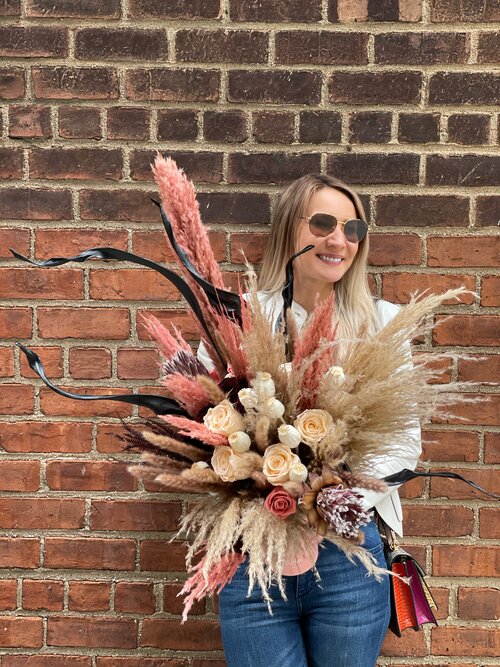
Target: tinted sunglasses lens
[(322, 224), (355, 230)]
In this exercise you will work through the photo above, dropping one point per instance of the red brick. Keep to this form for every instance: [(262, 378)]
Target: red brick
[(200, 662), (321, 48), (90, 363), (76, 163), (169, 634), (17, 238), (91, 632), (135, 597), (178, 124), (250, 246), (489, 524), (375, 87), (89, 476), (454, 489), (432, 521), (275, 87), (131, 284), (140, 662), (138, 364), (460, 446), (134, 515), (33, 41), (467, 330), (492, 448), (15, 323), (108, 438), (450, 11), (174, 9), (89, 553), (79, 122), (20, 632), (46, 660), (273, 127), (173, 85), (395, 249), (478, 603), (131, 123), (490, 291), (120, 44), (6, 362), (10, 8), (19, 552), (398, 287), (11, 163), (154, 245), (65, 243), (16, 399), (119, 205), (54, 405), (222, 46), (69, 83), (90, 323), (12, 83), (483, 410), (173, 604), (71, 9), (234, 207), (41, 594), (182, 319), (33, 283), (29, 121), (463, 251), (409, 645), (421, 48), (375, 168), (8, 594), (89, 596), (270, 167), (51, 358), (159, 556), (39, 513), (479, 369), (43, 436), (453, 560), (19, 475), (484, 642), (31, 204), (442, 598)]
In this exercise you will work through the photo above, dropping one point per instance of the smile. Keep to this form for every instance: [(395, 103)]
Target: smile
[(329, 259)]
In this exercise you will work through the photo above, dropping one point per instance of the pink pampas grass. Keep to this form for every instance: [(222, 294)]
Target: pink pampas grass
[(168, 344), (188, 392), (178, 198), (195, 430)]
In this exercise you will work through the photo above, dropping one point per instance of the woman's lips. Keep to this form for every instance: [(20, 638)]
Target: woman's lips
[(330, 259)]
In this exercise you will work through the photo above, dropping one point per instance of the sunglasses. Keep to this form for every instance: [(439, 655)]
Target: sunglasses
[(323, 224)]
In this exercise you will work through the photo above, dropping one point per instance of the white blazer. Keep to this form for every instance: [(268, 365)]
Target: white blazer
[(387, 504)]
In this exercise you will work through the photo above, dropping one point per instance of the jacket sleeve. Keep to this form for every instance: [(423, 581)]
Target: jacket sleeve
[(204, 357)]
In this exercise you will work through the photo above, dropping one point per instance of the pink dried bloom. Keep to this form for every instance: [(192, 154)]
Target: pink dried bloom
[(167, 344), (195, 430), (280, 503), (343, 510), (187, 392)]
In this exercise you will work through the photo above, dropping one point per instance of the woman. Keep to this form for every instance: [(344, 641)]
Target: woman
[(342, 620)]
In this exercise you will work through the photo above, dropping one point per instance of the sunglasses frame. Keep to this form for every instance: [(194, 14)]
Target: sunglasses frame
[(337, 222)]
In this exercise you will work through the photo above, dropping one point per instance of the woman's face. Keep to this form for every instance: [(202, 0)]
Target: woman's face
[(332, 255)]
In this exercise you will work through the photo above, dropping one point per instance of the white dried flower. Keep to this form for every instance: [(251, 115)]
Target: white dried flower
[(200, 465), (336, 372), (263, 385), (248, 398), (298, 473), (274, 408), (239, 441), (288, 435)]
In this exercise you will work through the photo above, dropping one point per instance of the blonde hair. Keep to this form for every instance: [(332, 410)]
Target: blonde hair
[(355, 307)]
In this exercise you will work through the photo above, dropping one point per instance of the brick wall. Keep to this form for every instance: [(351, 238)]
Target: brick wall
[(397, 98)]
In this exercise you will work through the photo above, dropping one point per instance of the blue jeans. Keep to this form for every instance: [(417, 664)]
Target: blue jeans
[(340, 622)]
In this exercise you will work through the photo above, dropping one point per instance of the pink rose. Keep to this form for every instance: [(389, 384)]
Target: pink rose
[(280, 503)]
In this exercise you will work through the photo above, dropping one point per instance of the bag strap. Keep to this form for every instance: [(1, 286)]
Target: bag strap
[(406, 475)]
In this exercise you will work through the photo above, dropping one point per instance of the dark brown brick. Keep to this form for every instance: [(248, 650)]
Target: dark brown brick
[(174, 9), (121, 205), (77, 163), (320, 127), (130, 123), (277, 87), (202, 166), (321, 48), (222, 46), (275, 10), (375, 87), (473, 11), (225, 126), (10, 8), (488, 211), (29, 121), (11, 163), (31, 204), (271, 127), (270, 167), (68, 83), (422, 211), (421, 48), (468, 129), (170, 634), (12, 83), (488, 50), (79, 122), (367, 127), (375, 168), (134, 515), (395, 249), (122, 44), (373, 10), (235, 207), (464, 88), (463, 170), (39, 42), (177, 124), (173, 85), (74, 9), (91, 631), (418, 128)]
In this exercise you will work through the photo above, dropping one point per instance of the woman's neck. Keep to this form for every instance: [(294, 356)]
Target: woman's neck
[(306, 295)]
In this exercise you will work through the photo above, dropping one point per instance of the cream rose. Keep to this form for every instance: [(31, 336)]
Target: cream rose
[(313, 425), (278, 461), (221, 463), (223, 419)]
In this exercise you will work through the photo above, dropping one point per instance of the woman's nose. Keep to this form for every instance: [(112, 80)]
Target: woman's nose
[(336, 237)]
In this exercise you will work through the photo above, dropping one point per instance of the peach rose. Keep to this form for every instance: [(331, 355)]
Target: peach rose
[(223, 419), (221, 463), (280, 503), (313, 425), (278, 461)]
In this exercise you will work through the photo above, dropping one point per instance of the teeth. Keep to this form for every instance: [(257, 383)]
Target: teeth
[(331, 260)]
